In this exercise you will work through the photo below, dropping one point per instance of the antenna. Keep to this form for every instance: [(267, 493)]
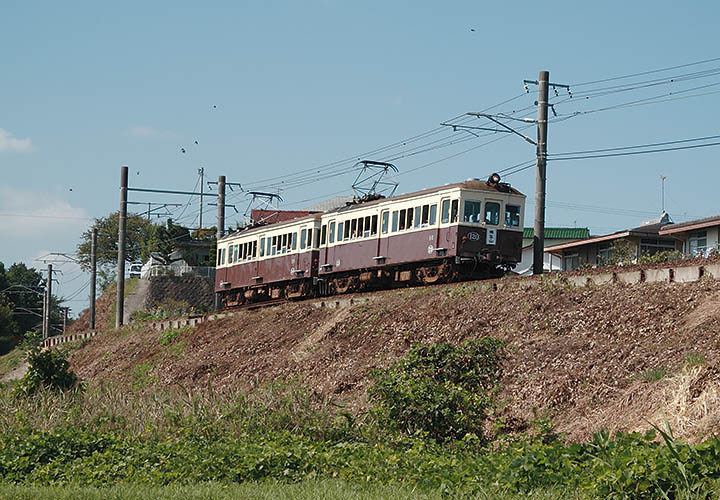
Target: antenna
[(662, 181), (371, 183)]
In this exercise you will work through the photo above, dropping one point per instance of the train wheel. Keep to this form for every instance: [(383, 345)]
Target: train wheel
[(343, 285), (430, 274)]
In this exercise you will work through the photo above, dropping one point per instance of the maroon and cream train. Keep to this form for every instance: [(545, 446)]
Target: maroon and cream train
[(471, 229)]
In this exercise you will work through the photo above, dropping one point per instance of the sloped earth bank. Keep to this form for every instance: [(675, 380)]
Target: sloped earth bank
[(615, 357)]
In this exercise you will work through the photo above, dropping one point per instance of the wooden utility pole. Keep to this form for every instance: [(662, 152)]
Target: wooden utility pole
[(201, 171), (540, 173), (47, 310), (93, 275), (221, 207), (122, 220)]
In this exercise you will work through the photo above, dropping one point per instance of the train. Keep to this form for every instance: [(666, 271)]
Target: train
[(461, 231)]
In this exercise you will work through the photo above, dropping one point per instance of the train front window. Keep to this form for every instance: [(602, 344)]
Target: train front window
[(492, 213), (254, 249), (303, 238), (395, 221), (472, 211), (217, 262), (262, 247), (445, 212), (331, 234), (385, 221), (512, 215), (310, 239), (433, 214), (323, 234), (294, 241), (454, 211), (222, 258)]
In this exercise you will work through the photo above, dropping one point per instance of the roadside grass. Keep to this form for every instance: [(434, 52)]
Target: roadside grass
[(10, 361), (267, 490)]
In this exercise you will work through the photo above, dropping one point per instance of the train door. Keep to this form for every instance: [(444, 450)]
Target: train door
[(327, 256), (220, 269), (383, 242)]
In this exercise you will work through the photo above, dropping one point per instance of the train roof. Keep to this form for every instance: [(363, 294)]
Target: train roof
[(474, 184)]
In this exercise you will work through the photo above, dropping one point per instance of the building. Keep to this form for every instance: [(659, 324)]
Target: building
[(598, 250), (553, 236), (699, 237)]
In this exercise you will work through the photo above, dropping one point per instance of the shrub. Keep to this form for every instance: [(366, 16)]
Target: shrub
[(49, 369), (442, 390)]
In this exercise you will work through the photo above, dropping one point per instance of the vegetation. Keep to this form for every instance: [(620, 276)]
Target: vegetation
[(168, 308), (47, 369), (441, 389)]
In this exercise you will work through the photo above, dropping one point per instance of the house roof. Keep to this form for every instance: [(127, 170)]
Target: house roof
[(690, 225), (560, 233), (645, 230)]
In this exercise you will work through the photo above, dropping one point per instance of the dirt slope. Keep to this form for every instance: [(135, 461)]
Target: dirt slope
[(612, 357)]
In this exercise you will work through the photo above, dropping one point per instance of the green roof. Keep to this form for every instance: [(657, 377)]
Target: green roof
[(560, 233)]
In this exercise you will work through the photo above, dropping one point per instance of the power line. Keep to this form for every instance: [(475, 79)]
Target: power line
[(631, 153), (621, 148), (643, 73)]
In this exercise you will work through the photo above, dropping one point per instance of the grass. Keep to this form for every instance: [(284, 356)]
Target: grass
[(269, 490), (652, 374), (10, 361), (167, 336), (141, 376)]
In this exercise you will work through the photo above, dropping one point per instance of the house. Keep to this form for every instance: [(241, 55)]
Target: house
[(697, 237), (598, 250), (553, 236)]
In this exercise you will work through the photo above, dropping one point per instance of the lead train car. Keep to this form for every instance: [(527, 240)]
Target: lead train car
[(467, 230)]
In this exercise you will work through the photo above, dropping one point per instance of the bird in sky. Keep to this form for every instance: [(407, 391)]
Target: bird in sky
[(182, 150), (196, 142)]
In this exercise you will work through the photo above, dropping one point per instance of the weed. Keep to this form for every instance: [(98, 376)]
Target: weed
[(652, 374), (167, 337), (694, 359), (141, 376)]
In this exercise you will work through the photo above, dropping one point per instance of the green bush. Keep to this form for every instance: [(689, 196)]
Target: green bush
[(442, 390), (47, 368)]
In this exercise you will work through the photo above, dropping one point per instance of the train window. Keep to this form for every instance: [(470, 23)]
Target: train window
[(472, 211), (317, 238), (222, 258), (425, 215), (360, 227), (267, 246), (340, 231), (512, 215), (331, 232), (303, 238), (445, 212), (373, 225), (217, 262), (294, 240), (310, 239), (395, 221), (283, 243), (433, 214), (323, 234), (409, 223), (366, 227), (254, 249), (492, 212), (243, 251), (273, 246), (353, 229), (418, 212), (385, 221), (262, 247), (454, 211), (235, 253), (230, 250), (403, 219), (347, 230)]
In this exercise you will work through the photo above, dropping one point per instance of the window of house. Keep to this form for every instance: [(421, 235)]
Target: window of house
[(492, 212), (323, 234), (425, 218), (373, 225), (385, 222), (512, 215), (331, 234), (340, 231), (395, 221), (303, 238), (651, 246), (454, 211), (445, 211), (472, 211), (571, 262), (403, 219), (604, 253), (697, 242), (433, 214)]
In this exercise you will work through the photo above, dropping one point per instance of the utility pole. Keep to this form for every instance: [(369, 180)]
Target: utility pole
[(122, 220), (540, 173), (201, 171), (221, 207), (662, 180), (65, 315), (47, 313), (93, 275)]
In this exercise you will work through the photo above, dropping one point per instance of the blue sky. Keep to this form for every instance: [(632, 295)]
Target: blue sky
[(271, 88)]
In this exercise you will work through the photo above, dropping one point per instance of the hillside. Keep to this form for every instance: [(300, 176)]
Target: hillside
[(613, 357)]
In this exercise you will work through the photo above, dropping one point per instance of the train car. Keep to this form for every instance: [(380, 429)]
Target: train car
[(467, 230), (268, 262)]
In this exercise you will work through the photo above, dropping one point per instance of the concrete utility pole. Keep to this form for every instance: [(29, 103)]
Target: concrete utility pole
[(122, 221), (221, 207), (47, 312), (201, 171), (93, 275), (540, 173)]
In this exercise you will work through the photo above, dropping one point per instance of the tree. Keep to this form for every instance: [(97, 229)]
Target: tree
[(22, 292), (139, 232)]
